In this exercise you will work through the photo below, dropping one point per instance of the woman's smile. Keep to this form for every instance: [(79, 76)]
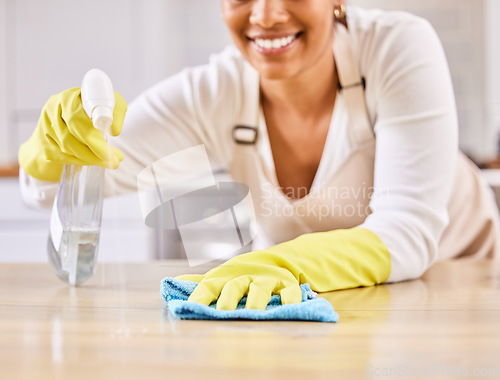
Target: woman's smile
[(270, 45), (282, 39)]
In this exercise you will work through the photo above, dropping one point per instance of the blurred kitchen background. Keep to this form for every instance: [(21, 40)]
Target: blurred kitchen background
[(46, 46)]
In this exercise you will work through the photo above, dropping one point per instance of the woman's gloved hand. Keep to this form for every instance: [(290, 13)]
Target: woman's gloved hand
[(257, 275), (328, 261), (66, 135)]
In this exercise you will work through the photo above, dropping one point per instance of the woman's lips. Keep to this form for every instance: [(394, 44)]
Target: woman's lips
[(277, 45)]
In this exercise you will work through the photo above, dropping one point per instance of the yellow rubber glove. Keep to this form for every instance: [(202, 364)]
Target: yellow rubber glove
[(66, 135), (328, 261)]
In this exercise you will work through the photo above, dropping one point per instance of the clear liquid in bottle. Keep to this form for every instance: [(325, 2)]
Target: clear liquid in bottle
[(73, 241)]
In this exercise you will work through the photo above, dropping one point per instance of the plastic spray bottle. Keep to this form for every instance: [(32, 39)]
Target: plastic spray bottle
[(77, 212)]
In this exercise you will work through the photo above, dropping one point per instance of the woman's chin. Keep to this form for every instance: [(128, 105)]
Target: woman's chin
[(274, 73)]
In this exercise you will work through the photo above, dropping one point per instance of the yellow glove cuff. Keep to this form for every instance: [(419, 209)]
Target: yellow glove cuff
[(338, 259)]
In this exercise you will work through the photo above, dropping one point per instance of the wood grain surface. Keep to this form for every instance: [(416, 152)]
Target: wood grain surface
[(117, 327)]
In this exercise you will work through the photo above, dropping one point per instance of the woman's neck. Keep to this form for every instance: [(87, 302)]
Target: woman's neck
[(305, 94)]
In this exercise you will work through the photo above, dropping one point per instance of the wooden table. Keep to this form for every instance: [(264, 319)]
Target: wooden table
[(117, 327)]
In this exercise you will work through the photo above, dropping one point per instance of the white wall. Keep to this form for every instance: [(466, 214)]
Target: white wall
[(5, 155)]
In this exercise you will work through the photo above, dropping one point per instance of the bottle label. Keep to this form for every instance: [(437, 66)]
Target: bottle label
[(56, 228)]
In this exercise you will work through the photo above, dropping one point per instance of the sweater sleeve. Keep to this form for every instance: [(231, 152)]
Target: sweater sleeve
[(178, 113), (411, 102)]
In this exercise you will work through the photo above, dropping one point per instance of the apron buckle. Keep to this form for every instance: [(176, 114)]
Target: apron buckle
[(362, 83), (244, 134)]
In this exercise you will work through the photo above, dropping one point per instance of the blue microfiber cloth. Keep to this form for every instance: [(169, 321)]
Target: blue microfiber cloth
[(312, 307)]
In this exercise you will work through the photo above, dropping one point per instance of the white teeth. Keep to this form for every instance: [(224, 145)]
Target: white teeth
[(275, 43)]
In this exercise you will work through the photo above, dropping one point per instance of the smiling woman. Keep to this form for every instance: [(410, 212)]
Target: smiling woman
[(258, 29), (330, 97)]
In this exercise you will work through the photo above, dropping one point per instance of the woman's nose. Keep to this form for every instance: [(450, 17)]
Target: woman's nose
[(267, 13)]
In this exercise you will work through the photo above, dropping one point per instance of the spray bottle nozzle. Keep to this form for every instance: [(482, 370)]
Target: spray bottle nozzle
[(98, 98), (102, 117)]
